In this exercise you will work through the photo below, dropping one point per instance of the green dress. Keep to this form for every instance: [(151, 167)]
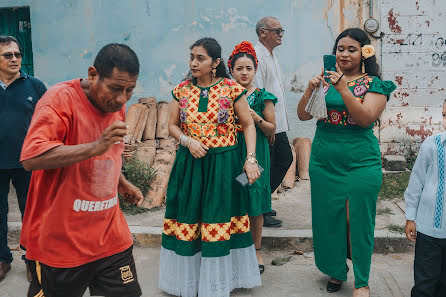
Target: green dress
[(207, 247), (259, 193), (345, 163)]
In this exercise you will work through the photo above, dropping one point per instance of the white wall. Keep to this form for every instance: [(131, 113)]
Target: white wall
[(414, 57)]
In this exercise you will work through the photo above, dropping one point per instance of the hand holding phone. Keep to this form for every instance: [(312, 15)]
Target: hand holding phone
[(243, 178), (329, 65)]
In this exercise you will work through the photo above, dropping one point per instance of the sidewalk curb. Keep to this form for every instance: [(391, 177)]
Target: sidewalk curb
[(273, 239)]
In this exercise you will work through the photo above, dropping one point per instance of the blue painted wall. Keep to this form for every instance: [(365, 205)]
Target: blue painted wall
[(67, 34)]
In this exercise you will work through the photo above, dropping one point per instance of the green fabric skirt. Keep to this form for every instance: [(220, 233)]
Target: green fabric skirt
[(345, 164), (259, 193), (205, 207)]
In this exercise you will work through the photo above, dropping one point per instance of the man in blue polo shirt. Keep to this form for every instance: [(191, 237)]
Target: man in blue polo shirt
[(19, 94)]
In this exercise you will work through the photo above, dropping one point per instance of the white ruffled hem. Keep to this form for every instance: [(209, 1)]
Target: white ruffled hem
[(203, 276)]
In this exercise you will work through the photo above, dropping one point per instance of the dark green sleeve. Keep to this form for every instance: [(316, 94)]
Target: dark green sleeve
[(268, 96), (240, 96), (385, 87), (264, 95)]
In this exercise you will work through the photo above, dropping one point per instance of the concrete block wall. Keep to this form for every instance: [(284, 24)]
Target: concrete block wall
[(413, 55)]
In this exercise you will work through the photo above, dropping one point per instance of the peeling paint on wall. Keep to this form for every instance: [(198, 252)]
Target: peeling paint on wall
[(413, 55), (393, 23), (412, 51)]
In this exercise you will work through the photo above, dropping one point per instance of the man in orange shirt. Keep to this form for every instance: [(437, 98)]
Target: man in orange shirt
[(73, 229)]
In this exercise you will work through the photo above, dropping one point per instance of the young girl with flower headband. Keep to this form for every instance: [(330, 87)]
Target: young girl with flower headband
[(243, 65), (345, 166)]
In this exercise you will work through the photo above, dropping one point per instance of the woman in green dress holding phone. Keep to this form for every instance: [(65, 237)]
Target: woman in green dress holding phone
[(345, 165), (243, 65)]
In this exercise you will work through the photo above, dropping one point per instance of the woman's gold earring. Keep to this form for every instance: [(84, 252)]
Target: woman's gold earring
[(214, 72), (363, 66)]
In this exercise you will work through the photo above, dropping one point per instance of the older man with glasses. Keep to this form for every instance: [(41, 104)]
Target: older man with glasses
[(19, 94), (268, 76)]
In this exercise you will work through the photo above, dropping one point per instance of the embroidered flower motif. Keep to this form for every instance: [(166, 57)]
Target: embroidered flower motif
[(229, 82), (184, 83), (224, 103), (368, 51), (204, 93), (185, 92), (222, 129), (360, 90), (208, 130), (223, 116), (359, 99), (370, 79), (351, 84), (183, 103), (225, 91), (183, 116), (350, 120), (335, 117), (195, 129)]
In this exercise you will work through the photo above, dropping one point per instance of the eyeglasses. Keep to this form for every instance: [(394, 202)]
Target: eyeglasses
[(8, 56), (278, 31)]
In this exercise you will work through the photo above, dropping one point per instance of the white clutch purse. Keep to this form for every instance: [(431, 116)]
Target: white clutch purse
[(316, 105)]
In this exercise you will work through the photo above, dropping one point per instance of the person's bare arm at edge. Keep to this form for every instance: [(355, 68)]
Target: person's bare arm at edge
[(65, 155), (241, 108)]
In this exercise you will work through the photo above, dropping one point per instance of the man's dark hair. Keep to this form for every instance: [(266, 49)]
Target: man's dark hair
[(7, 39), (116, 55)]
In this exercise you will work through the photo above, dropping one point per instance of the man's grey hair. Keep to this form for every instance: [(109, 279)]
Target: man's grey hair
[(264, 23)]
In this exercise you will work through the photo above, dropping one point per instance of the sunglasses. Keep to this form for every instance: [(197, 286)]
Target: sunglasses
[(8, 56), (278, 31)]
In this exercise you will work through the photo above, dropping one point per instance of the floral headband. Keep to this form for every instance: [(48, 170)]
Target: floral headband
[(243, 47), (367, 51)]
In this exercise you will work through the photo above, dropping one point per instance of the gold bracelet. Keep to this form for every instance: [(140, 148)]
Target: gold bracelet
[(251, 160)]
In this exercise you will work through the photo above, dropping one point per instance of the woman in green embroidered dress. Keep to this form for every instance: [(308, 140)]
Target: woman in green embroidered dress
[(207, 248), (243, 65), (345, 165)]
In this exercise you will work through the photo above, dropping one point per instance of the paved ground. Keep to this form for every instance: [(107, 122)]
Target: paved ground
[(391, 276)]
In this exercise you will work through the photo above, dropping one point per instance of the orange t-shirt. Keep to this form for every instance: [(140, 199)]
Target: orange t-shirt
[(72, 214)]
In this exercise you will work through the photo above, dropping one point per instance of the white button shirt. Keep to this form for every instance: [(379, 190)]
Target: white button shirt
[(268, 76), (425, 194)]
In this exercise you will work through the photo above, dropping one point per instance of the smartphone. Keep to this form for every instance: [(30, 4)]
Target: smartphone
[(329, 65), (243, 178)]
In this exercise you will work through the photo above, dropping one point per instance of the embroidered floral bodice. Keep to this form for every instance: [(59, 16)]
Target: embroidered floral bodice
[(207, 114)]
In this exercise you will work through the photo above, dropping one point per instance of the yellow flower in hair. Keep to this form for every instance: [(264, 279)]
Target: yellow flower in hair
[(368, 51)]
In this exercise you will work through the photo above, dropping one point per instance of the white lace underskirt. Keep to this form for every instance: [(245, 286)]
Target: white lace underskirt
[(205, 277)]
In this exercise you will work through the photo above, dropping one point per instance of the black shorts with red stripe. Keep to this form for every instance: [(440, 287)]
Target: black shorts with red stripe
[(110, 276)]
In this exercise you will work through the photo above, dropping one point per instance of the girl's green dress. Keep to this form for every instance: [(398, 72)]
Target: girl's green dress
[(259, 193), (207, 247), (345, 164)]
